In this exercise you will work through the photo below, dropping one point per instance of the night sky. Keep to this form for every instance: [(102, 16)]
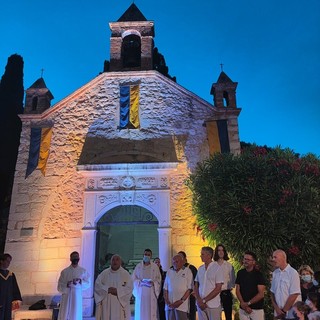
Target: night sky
[(271, 48)]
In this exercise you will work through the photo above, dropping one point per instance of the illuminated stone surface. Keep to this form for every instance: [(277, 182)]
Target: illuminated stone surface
[(94, 167)]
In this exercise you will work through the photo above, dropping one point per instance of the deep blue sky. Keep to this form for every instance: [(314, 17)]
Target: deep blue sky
[(270, 47)]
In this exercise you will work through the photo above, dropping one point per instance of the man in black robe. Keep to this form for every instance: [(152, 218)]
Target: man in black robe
[(9, 290)]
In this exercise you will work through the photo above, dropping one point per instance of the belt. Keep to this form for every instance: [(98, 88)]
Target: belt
[(225, 292)]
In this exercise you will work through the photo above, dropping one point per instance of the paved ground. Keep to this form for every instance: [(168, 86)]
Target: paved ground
[(132, 314)]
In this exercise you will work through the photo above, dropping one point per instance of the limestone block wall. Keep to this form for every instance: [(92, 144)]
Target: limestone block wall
[(184, 234), (46, 215)]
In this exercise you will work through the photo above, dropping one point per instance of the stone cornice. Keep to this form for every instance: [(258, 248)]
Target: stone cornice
[(225, 113), (120, 24), (127, 168), (146, 28)]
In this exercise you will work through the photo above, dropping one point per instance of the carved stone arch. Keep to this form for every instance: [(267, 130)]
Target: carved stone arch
[(112, 205), (129, 32)]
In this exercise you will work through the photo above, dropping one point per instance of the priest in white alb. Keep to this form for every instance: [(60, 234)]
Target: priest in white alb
[(72, 281), (112, 292), (146, 288)]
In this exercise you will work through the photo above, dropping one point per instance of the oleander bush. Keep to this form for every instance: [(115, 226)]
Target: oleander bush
[(260, 200)]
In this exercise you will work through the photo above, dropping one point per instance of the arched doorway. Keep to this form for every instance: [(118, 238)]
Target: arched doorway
[(144, 185), (127, 231)]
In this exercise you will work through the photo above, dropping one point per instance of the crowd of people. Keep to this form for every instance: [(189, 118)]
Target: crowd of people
[(182, 291)]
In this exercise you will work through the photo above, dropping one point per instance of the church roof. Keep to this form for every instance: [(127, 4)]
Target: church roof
[(39, 84), (132, 14), (223, 78)]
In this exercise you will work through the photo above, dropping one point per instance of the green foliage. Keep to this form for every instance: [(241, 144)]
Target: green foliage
[(260, 200)]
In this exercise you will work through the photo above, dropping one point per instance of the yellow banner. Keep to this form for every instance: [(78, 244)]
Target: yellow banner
[(213, 137), (46, 134), (134, 106)]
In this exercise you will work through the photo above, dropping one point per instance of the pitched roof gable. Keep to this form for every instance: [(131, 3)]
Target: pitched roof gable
[(102, 78)]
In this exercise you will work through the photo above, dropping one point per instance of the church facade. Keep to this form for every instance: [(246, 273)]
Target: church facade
[(119, 152)]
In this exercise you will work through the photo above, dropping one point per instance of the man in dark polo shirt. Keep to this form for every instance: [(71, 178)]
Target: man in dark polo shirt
[(250, 288)]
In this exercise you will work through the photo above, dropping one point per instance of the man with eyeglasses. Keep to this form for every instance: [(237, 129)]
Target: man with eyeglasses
[(250, 288)]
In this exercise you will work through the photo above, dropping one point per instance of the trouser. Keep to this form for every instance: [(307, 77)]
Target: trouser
[(226, 302), (193, 308), (174, 314), (209, 313), (256, 314)]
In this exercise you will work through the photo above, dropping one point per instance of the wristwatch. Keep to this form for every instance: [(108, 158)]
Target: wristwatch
[(249, 302), (204, 301)]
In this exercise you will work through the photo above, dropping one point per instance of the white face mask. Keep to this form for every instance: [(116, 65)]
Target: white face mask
[(309, 303), (146, 259), (306, 278)]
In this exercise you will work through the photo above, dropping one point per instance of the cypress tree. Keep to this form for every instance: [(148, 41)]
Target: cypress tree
[(11, 104)]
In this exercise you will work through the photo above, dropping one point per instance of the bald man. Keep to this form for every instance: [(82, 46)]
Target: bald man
[(285, 286), (112, 292), (177, 288)]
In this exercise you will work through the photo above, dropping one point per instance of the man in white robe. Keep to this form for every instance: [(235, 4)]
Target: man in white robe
[(112, 292), (146, 288), (73, 280)]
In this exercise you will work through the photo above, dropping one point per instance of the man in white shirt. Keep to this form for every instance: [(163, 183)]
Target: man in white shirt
[(208, 284), (285, 286), (192, 299), (176, 290)]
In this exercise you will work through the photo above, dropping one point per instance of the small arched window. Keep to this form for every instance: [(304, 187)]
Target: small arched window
[(225, 99), (131, 51), (34, 103)]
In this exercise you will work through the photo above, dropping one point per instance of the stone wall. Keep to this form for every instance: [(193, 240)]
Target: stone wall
[(46, 216)]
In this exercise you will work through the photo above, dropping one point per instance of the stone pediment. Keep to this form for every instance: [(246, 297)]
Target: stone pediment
[(108, 77)]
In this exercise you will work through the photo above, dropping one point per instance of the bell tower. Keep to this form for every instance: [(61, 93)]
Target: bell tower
[(38, 98), (224, 92), (131, 42), (226, 114)]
